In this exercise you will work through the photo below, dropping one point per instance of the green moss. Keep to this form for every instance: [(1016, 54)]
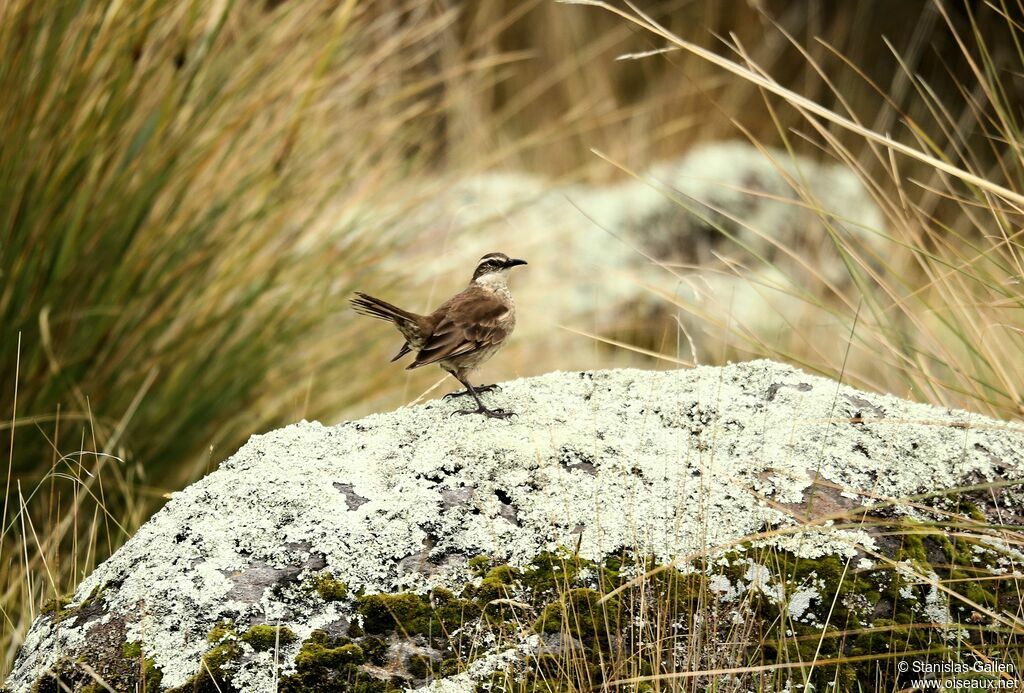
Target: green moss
[(849, 600), (561, 594), (440, 595), (329, 589), (885, 608), (263, 638), (214, 673), (331, 664), (375, 648), (448, 616), (497, 583), (151, 674), (956, 561), (960, 555), (419, 666), (579, 613), (972, 511), (55, 607), (434, 616), (322, 652), (913, 550), (552, 571), (222, 630), (478, 565), (58, 608), (63, 675), (386, 612), (504, 574)]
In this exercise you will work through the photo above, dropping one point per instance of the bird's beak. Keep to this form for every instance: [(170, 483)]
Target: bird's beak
[(513, 262)]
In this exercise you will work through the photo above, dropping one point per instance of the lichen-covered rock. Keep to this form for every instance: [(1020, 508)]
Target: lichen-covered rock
[(414, 549)]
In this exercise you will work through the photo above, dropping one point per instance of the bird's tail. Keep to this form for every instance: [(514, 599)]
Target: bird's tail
[(365, 304)]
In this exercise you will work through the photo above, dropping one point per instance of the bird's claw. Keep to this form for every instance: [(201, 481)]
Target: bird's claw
[(499, 413), (490, 413), (478, 388)]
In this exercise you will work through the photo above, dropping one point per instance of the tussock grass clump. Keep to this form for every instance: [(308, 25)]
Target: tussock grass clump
[(180, 196)]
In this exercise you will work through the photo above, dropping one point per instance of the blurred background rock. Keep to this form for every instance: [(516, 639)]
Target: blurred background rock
[(189, 192)]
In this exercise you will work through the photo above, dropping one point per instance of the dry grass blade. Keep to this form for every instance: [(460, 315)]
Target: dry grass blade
[(645, 22)]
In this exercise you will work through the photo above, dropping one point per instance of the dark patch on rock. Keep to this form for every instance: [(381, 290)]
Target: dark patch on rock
[(249, 584), (61, 610), (352, 499), (572, 459), (732, 425), (510, 513), (108, 658), (997, 464), (338, 628), (418, 562), (697, 417), (824, 499), (452, 497), (773, 390), (507, 507), (861, 403), (557, 644), (91, 610)]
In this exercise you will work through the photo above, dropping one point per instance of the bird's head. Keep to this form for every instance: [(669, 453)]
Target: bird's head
[(494, 267)]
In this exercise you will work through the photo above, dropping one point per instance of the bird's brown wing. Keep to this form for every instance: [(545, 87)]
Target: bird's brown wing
[(471, 320)]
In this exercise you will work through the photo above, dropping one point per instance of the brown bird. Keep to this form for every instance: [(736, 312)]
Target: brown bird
[(467, 330)]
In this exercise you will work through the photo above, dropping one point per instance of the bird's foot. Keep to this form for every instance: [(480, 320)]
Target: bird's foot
[(490, 413), (478, 388)]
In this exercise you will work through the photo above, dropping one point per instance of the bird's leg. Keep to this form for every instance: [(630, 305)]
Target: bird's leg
[(480, 407), (478, 388)]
